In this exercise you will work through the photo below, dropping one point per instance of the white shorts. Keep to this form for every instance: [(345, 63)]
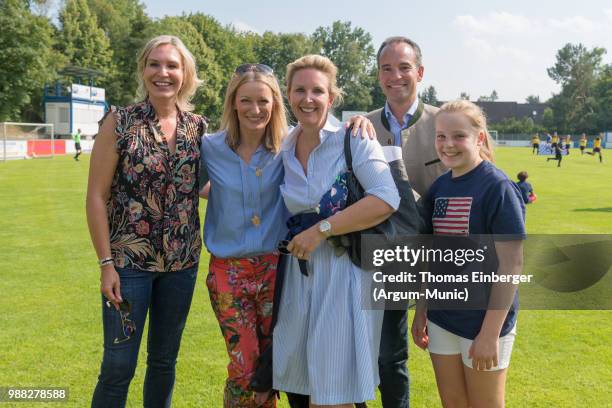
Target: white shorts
[(443, 342)]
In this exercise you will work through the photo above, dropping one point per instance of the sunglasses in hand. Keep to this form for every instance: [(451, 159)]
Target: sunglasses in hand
[(127, 325)]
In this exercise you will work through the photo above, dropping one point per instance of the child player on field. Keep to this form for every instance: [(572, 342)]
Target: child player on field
[(470, 349)]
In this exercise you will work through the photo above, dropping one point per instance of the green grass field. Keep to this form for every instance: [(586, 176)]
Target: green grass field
[(50, 325)]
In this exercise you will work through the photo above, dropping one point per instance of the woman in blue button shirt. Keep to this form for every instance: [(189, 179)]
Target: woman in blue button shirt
[(325, 344), (245, 220)]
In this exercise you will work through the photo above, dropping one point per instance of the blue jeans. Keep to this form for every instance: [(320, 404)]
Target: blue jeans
[(167, 299), (392, 369)]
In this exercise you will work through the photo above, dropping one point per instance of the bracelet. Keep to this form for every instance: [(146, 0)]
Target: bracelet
[(106, 261)]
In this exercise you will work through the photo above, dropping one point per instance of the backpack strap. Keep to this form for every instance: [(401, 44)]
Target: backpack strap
[(348, 156)]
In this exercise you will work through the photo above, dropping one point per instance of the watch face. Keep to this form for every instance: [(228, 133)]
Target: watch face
[(325, 227)]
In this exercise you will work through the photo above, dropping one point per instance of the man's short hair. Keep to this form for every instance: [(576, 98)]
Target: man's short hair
[(400, 39)]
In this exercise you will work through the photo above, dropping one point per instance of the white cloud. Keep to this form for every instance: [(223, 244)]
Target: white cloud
[(495, 23), (577, 24), (243, 27), (608, 13)]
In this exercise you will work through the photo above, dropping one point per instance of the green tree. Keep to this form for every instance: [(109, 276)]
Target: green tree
[(430, 96), (83, 43), (352, 51), (125, 24), (26, 57), (278, 50), (577, 70), (208, 98), (603, 95), (532, 99), (548, 119)]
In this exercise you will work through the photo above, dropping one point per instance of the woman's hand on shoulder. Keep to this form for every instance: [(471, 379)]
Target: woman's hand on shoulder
[(363, 124)]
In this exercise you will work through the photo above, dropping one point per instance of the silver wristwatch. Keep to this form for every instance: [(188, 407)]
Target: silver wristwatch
[(325, 228)]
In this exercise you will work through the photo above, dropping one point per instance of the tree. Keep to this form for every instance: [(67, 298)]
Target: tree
[(603, 96), (207, 100), (577, 70), (82, 42), (464, 95), (430, 96), (548, 119), (26, 57), (491, 98), (353, 53), (532, 99), (125, 24), (278, 50)]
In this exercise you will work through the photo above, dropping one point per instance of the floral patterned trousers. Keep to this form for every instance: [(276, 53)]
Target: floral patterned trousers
[(241, 292)]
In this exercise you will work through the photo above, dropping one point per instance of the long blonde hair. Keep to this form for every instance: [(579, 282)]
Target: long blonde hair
[(191, 82), (322, 64), (276, 127), (477, 119)]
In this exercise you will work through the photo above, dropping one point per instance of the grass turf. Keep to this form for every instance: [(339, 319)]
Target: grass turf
[(50, 326)]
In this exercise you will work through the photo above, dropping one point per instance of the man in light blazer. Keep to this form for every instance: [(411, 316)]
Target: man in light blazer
[(407, 122)]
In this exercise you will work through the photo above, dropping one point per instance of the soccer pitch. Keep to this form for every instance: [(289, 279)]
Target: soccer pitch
[(51, 332)]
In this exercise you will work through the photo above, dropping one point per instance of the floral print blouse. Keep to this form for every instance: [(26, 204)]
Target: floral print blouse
[(153, 205)]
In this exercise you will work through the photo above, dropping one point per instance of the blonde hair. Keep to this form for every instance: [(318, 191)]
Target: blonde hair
[(276, 127), (477, 119), (191, 82), (321, 64)]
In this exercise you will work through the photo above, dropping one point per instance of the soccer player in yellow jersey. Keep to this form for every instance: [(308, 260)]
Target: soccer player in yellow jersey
[(568, 143), (555, 141), (535, 142), (583, 143), (597, 147)]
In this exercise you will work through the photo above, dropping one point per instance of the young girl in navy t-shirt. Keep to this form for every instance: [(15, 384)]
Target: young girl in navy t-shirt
[(470, 349)]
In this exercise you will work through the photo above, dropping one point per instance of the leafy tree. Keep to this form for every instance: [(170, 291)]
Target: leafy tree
[(278, 50), (430, 96), (603, 95), (125, 24), (352, 51), (532, 99), (82, 42), (26, 57), (548, 119), (464, 95), (577, 70), (491, 98)]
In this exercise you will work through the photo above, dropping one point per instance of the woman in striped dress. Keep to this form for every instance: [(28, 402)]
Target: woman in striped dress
[(325, 344)]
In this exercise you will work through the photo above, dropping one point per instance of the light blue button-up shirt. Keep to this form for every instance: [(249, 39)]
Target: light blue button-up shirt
[(302, 192), (395, 127), (245, 215)]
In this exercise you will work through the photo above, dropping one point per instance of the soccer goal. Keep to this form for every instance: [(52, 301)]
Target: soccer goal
[(28, 140)]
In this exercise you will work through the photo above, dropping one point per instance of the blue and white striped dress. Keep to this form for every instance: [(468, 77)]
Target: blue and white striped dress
[(325, 344)]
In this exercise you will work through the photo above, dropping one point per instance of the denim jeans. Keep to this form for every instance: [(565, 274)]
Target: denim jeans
[(167, 299), (393, 371)]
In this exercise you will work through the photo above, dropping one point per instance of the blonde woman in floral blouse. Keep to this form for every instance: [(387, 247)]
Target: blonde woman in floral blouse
[(142, 211)]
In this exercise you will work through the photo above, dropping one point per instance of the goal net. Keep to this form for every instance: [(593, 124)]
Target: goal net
[(28, 140)]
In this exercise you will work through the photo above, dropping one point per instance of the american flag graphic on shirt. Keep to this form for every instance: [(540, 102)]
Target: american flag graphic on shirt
[(451, 215)]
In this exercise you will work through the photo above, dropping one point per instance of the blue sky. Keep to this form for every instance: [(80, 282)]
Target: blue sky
[(470, 45)]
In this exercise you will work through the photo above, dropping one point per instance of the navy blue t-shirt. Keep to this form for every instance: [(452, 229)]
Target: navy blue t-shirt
[(526, 189), (489, 203)]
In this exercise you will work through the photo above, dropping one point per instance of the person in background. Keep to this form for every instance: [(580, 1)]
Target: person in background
[(142, 212), (558, 155), (77, 144), (597, 147), (526, 190), (535, 143), (583, 143), (568, 143)]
